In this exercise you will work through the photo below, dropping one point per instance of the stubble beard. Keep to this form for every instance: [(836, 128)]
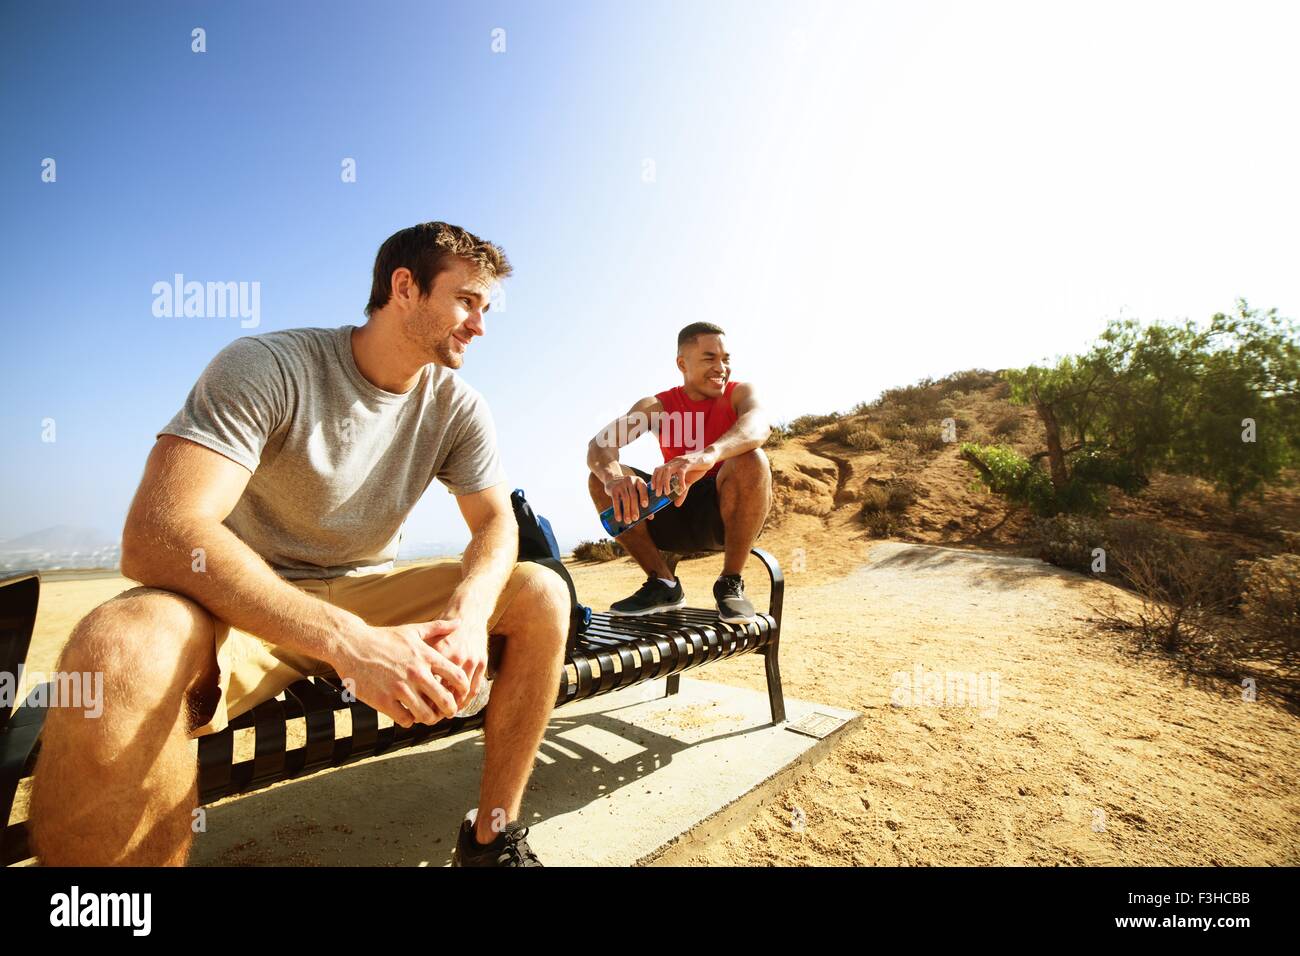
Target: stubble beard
[(420, 332)]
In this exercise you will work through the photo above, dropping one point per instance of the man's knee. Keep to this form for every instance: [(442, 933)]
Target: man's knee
[(542, 595), (751, 468), (145, 641)]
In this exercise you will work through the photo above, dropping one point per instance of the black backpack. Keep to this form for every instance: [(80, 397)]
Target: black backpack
[(537, 543)]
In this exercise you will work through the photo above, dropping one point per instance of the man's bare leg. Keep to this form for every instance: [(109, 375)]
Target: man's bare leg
[(744, 497), (636, 540), (120, 789), (534, 625)]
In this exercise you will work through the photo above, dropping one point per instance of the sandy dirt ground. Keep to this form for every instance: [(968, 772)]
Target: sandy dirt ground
[(1047, 744)]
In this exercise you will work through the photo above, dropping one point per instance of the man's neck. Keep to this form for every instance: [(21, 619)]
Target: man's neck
[(692, 394), (380, 361)]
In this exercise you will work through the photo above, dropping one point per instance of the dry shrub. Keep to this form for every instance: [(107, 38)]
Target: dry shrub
[(1176, 494), (911, 404), (875, 499), (928, 437), (906, 456), (974, 379), (883, 502), (1187, 592), (854, 434), (837, 431), (1270, 613), (1007, 424), (1068, 541), (606, 549), (805, 424), (882, 524)]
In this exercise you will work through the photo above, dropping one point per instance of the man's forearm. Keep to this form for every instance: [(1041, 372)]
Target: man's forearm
[(489, 559), (603, 461), (749, 432), (207, 562)]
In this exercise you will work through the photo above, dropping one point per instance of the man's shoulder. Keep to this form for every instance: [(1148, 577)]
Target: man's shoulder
[(451, 397), (299, 341)]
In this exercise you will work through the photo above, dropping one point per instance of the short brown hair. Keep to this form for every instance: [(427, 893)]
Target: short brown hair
[(425, 249), (695, 329)]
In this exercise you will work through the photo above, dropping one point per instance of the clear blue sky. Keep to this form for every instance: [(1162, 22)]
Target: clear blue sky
[(861, 193)]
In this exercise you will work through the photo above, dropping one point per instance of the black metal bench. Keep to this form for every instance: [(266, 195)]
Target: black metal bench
[(609, 654)]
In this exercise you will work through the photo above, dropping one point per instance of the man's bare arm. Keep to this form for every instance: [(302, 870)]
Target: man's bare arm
[(491, 555), (750, 429), (175, 527), (485, 569), (627, 491), (602, 450), (174, 539)]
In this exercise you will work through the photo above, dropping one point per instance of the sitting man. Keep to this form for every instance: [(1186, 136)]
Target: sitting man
[(264, 532), (711, 431)]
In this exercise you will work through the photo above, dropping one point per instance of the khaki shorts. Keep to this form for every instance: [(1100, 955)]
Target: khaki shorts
[(251, 670)]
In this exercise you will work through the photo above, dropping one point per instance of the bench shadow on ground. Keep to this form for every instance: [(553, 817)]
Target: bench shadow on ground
[(405, 810)]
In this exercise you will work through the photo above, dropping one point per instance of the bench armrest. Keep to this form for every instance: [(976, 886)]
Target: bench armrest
[(778, 583)]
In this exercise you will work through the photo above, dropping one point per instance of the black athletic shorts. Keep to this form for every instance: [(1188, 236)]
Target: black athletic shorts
[(695, 526)]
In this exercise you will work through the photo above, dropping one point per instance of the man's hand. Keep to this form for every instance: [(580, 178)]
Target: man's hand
[(465, 645), (393, 669), (688, 469), (629, 496)]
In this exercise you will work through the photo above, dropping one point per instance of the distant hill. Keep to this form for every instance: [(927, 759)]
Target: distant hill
[(60, 537), (59, 546), (883, 470)]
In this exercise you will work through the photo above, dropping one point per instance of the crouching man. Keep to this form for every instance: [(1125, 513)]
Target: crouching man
[(711, 432)]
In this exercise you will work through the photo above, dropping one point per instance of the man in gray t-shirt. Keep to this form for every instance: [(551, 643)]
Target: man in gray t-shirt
[(337, 463), (264, 532)]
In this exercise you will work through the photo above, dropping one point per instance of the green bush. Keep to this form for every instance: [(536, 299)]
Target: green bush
[(1022, 481), (1008, 473)]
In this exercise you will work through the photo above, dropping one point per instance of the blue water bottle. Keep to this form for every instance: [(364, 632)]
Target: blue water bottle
[(657, 503)]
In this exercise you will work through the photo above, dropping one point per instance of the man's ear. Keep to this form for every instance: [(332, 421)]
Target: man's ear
[(681, 363), (402, 284)]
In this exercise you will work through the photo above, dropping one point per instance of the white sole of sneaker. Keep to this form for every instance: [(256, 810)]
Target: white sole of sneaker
[(649, 610), (737, 620)]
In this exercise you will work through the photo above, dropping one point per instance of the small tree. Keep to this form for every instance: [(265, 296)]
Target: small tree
[(1220, 402)]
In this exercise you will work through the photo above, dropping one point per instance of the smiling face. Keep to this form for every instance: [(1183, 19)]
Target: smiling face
[(705, 366), (443, 323)]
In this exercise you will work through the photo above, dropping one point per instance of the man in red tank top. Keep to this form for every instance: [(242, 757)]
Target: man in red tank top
[(711, 432)]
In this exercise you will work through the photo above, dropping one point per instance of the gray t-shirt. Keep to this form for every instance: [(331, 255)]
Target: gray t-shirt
[(337, 463)]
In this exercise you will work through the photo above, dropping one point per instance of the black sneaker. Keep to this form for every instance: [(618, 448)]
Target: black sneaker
[(733, 606), (510, 848), (653, 596)]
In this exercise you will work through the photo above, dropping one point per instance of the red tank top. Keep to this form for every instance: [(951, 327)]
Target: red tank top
[(689, 425)]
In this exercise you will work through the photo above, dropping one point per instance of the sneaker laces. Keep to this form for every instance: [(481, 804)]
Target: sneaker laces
[(732, 585), (649, 585), (516, 849)]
